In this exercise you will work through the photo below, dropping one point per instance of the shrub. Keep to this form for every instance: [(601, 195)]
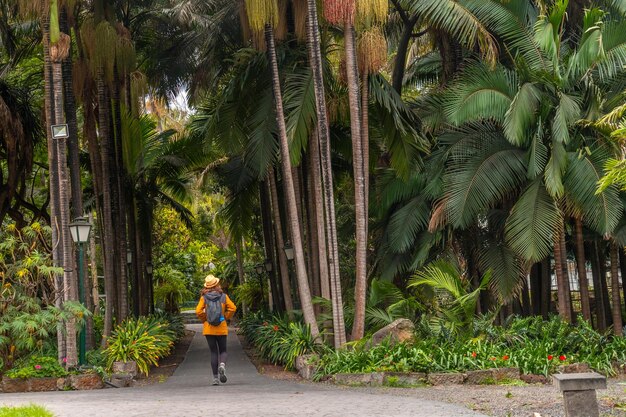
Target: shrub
[(25, 411), (174, 322), (278, 340), (144, 340), (37, 367)]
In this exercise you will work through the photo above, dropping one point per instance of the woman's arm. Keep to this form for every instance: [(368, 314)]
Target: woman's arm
[(230, 308), (200, 311)]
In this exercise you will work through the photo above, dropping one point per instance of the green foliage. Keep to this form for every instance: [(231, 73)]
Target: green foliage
[(37, 367), (277, 339), (144, 340), (531, 344), (26, 326), (25, 411)]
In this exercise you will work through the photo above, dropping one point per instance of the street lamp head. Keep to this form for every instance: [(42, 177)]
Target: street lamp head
[(129, 256), (288, 251), (259, 268), (60, 131), (268, 265), (149, 268), (80, 229), (211, 266)]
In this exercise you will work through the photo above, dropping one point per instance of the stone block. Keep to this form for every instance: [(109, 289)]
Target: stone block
[(369, 379), (122, 380), (11, 385), (579, 382), (534, 379), (64, 384), (404, 378), (574, 368), (401, 330), (446, 378), (581, 404), (86, 382), (480, 377), (43, 384), (305, 365), (505, 374), (129, 367)]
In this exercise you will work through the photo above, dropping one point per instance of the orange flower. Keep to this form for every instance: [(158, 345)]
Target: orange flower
[(275, 328), (473, 354), (505, 358)]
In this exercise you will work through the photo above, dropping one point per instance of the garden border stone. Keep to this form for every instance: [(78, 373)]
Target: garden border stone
[(372, 379), (407, 379), (86, 382), (480, 377), (446, 378)]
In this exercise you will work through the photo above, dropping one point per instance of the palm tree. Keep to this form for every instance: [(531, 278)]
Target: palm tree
[(556, 176), (329, 253)]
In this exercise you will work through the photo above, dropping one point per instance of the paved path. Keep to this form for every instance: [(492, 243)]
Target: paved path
[(188, 393)]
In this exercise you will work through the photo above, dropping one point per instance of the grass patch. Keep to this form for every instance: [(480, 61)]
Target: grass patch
[(31, 410)]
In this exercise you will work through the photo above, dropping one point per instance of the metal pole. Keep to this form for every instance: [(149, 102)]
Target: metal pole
[(81, 289)]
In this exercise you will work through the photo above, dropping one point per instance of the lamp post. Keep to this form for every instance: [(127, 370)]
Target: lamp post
[(80, 229)]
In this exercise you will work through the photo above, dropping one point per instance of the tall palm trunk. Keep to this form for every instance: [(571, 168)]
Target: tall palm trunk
[(332, 255), (270, 247), (317, 198), (581, 264), (58, 52), (546, 288), (615, 296), (597, 287), (119, 180), (565, 310), (292, 209), (280, 243), (54, 182), (622, 266), (360, 285), (108, 242)]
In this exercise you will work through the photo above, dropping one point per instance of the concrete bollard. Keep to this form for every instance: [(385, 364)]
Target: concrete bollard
[(579, 393)]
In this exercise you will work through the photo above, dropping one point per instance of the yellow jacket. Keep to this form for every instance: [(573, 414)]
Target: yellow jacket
[(228, 310)]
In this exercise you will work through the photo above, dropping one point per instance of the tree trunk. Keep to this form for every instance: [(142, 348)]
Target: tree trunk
[(58, 52), (360, 287), (93, 260), (603, 284), (108, 241), (399, 65), (269, 250), (600, 301), (546, 288), (240, 270), (135, 265), (622, 266), (315, 58), (280, 243), (317, 197), (565, 310), (53, 176), (292, 210), (119, 181), (615, 296), (581, 264)]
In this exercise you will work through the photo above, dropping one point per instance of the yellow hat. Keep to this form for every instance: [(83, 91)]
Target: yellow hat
[(211, 281)]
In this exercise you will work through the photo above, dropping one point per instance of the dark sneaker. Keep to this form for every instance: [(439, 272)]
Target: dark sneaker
[(222, 372), (216, 381)]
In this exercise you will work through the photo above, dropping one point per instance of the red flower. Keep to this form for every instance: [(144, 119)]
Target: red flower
[(550, 357), (37, 366), (493, 358), (562, 358), (505, 358), (473, 354), (275, 328)]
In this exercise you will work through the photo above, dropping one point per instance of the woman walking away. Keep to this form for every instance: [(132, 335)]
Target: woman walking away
[(214, 308)]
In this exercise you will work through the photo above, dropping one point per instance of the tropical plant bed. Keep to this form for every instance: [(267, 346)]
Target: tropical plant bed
[(265, 367)]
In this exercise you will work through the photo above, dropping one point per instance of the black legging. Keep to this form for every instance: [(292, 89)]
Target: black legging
[(217, 344)]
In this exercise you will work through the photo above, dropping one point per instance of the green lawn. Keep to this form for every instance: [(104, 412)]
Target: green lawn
[(25, 411)]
